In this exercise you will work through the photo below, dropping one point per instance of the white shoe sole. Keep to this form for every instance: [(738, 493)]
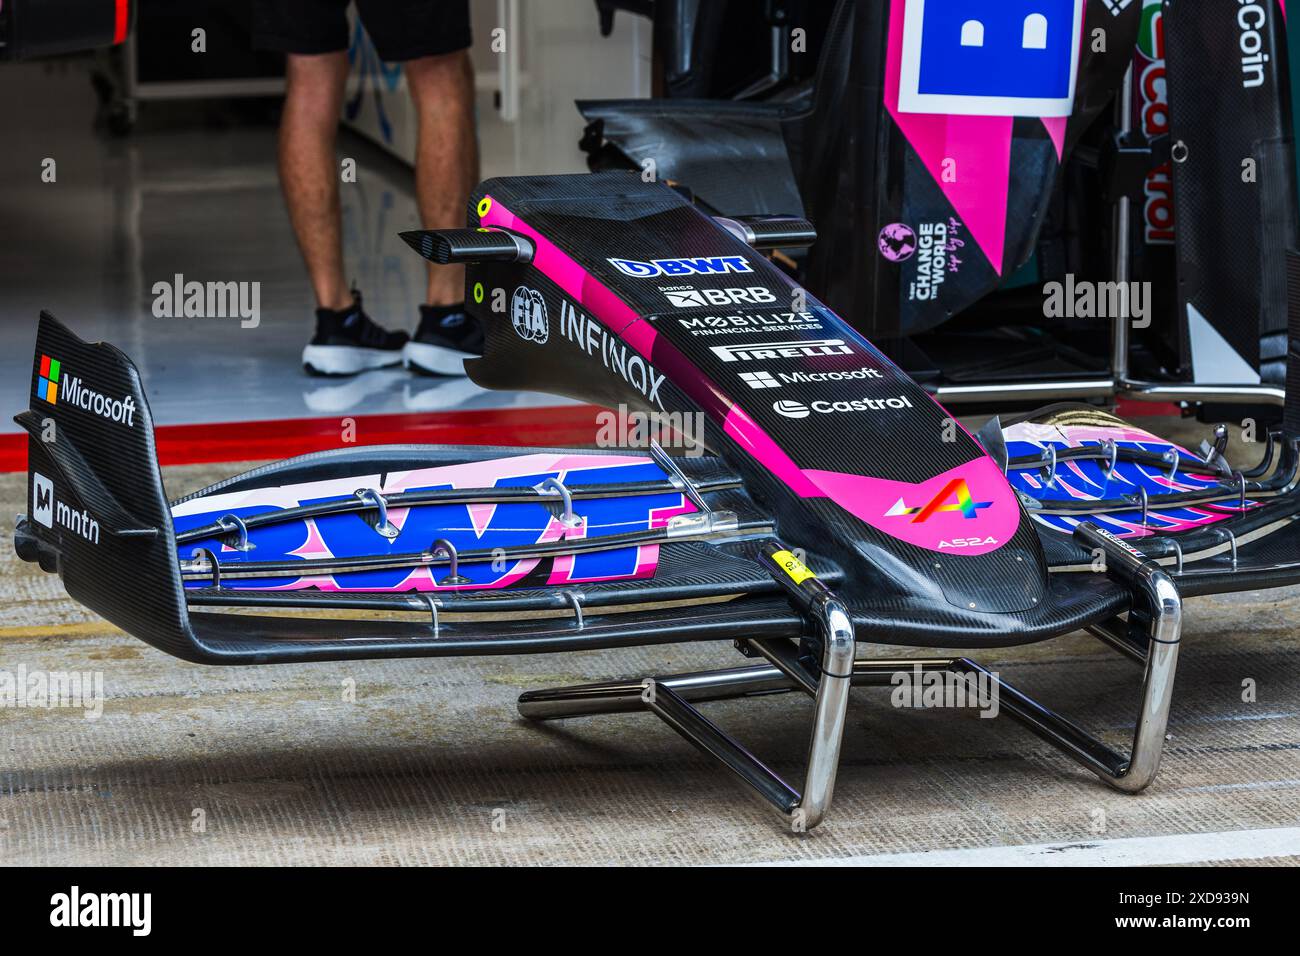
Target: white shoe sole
[(435, 359), (347, 359)]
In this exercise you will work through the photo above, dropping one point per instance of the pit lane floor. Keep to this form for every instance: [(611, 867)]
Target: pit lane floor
[(429, 764)]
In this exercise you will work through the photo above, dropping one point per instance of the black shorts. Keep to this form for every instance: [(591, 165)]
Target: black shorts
[(400, 29)]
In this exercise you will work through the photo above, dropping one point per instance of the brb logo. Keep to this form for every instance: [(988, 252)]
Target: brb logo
[(990, 57)]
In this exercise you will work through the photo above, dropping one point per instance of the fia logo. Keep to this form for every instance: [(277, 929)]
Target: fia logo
[(42, 500), (528, 315), (990, 57)]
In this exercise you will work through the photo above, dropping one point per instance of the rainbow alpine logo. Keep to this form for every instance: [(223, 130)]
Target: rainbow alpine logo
[(936, 513), (990, 57), (954, 496)]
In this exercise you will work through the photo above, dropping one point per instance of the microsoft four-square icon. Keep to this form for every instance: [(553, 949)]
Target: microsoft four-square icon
[(47, 381)]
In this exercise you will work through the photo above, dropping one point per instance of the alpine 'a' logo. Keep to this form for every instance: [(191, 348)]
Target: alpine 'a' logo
[(957, 490)]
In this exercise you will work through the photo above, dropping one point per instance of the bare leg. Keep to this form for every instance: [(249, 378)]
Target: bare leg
[(309, 171), (446, 161)]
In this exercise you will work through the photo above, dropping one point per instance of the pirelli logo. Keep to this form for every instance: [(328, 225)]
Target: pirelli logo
[(757, 351)]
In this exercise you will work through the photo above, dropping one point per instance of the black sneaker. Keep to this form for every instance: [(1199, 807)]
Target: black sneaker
[(347, 341), (447, 336)]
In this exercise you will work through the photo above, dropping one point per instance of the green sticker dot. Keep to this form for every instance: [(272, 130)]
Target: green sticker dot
[(478, 291), (484, 205)]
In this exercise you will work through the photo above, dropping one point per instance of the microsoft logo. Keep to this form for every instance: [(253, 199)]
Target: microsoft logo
[(759, 380), (47, 383)]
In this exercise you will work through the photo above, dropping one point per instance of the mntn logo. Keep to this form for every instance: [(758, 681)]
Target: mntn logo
[(47, 381), (42, 500), (957, 490)]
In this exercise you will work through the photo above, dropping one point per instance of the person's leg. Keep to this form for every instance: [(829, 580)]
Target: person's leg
[(313, 35), (446, 159), (431, 39), (309, 172)]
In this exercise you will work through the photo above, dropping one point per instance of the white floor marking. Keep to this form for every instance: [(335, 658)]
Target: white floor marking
[(1134, 851)]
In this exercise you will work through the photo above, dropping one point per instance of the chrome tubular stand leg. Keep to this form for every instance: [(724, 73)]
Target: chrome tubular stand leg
[(1149, 737), (1157, 653), (672, 699), (706, 735), (1151, 640), (1164, 611), (829, 717), (629, 696), (1150, 637)]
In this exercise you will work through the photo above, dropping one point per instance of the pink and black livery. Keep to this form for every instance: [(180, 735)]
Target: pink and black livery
[(835, 502)]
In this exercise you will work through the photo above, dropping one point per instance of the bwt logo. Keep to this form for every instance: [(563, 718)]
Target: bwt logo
[(700, 266), (990, 57)]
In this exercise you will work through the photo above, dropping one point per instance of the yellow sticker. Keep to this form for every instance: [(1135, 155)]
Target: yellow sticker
[(792, 566), (484, 205), (478, 291)]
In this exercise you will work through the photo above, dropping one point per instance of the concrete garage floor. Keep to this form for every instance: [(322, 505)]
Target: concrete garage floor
[(431, 765)]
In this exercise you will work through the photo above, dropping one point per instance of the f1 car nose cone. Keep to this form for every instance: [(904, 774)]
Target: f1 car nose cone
[(966, 510)]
